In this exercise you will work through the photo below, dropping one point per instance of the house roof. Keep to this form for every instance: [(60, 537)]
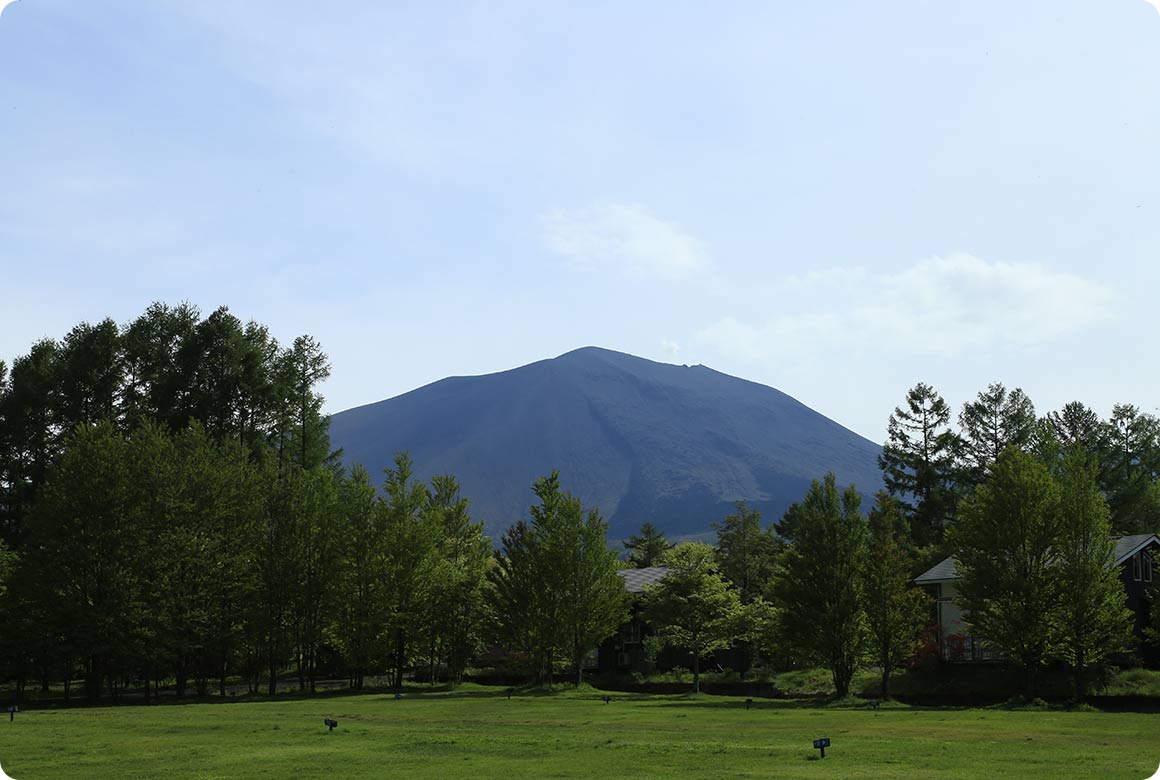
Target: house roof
[(1126, 547), (941, 571), (635, 580)]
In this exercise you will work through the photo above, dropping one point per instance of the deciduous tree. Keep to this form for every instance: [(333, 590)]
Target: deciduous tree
[(819, 586), (1004, 542), (1093, 621), (693, 608), (896, 611)]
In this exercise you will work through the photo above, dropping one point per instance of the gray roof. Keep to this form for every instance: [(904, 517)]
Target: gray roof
[(943, 570), (636, 579), (1126, 547)]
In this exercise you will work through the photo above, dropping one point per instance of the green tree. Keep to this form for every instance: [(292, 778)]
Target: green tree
[(88, 550), (362, 575), (746, 553), (7, 566), (1093, 620), (1129, 466), (410, 540), (89, 375), (154, 380), (277, 571), (521, 604), (896, 612), (646, 547), (1077, 424), (918, 464), (452, 587), (693, 607), (306, 438), (819, 586), (995, 420), (313, 506), (595, 602), (32, 438), (1004, 542), (558, 593)]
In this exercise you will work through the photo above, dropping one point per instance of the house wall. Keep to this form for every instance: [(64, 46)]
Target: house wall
[(1138, 574), (955, 640)]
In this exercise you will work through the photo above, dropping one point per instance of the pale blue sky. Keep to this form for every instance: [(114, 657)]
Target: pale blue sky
[(838, 199)]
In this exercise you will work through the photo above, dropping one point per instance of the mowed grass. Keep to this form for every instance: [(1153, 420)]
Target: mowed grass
[(479, 733)]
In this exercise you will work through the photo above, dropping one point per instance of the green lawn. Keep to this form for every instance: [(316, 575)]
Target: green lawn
[(478, 733)]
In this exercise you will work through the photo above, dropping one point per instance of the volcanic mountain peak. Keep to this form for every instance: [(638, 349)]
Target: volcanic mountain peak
[(640, 440)]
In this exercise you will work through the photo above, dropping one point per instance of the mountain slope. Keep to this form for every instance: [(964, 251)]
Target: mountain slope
[(640, 440)]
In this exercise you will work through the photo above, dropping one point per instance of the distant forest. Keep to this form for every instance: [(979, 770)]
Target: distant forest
[(172, 517)]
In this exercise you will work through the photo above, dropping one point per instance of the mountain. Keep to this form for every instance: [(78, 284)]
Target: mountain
[(640, 440)]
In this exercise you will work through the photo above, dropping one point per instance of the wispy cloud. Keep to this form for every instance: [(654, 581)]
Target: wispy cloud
[(944, 306), (625, 238)]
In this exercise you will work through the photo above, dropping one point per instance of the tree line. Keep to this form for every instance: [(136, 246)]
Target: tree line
[(171, 515), (1028, 505), (931, 466)]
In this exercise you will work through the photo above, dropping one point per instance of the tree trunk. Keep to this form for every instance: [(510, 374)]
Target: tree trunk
[(93, 680), (1029, 680), (885, 682), (696, 672), (842, 675), (1079, 677), (400, 657), (273, 684)]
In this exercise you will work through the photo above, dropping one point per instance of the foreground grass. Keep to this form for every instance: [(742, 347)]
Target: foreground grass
[(479, 733)]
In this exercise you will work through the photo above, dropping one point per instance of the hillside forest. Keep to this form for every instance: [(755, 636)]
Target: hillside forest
[(172, 518)]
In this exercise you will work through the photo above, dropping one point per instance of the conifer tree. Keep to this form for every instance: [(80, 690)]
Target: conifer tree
[(995, 420), (919, 461), (646, 547), (746, 553)]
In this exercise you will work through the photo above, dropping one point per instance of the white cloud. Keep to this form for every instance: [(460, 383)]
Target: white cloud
[(670, 348), (944, 306), (619, 237)]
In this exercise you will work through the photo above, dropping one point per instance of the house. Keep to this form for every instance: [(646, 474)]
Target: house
[(624, 651), (1134, 555)]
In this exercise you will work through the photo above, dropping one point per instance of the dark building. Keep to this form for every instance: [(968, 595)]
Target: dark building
[(624, 652)]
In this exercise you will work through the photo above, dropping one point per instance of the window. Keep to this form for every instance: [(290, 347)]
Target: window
[(1137, 565), (1147, 566)]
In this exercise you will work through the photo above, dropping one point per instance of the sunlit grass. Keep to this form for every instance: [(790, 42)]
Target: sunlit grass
[(479, 733)]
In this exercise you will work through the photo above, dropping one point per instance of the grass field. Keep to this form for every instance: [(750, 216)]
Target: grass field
[(478, 733)]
